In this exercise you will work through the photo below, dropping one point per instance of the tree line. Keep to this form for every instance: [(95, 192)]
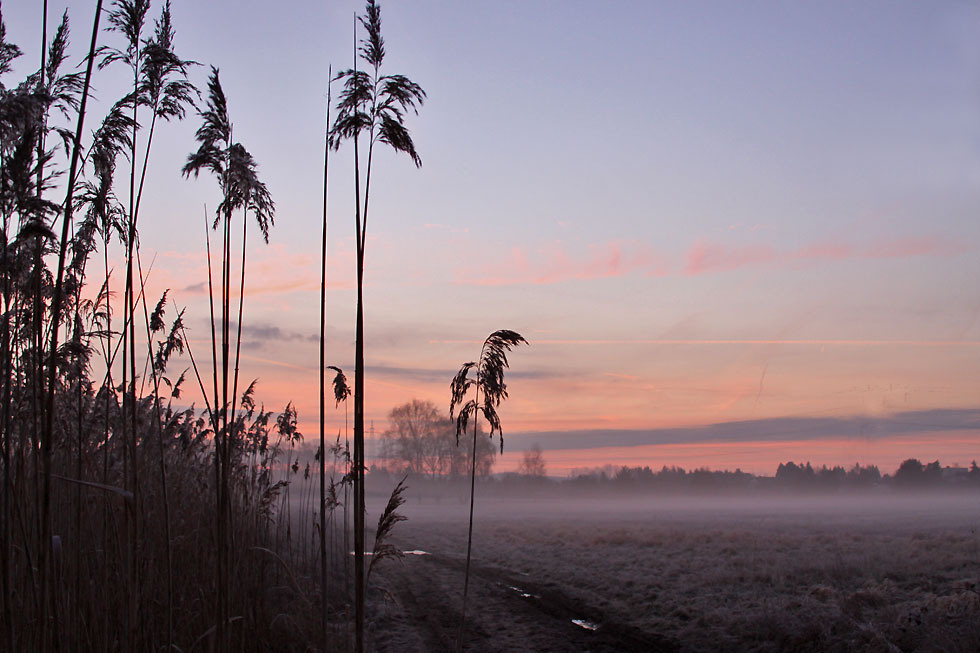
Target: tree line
[(911, 474), (420, 442)]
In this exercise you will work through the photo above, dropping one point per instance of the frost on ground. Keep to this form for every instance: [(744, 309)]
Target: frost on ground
[(666, 574)]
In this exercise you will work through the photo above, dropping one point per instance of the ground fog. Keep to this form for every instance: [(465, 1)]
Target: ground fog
[(819, 573)]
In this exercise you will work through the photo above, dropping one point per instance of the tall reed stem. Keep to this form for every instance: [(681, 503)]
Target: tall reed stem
[(56, 301), (323, 389), (469, 530)]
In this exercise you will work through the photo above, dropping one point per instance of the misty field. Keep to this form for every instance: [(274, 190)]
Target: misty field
[(840, 573)]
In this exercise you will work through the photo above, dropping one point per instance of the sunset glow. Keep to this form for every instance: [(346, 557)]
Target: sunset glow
[(779, 221)]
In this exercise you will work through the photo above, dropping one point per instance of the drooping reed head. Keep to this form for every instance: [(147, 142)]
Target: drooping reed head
[(489, 380)]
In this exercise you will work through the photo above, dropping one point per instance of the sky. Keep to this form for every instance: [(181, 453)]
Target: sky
[(726, 229)]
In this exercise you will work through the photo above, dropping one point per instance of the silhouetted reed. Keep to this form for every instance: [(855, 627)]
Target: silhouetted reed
[(376, 104), (489, 371), (94, 556)]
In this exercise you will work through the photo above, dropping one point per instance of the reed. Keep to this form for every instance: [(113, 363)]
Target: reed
[(92, 555), (241, 190), (374, 104), (389, 518), (489, 371)]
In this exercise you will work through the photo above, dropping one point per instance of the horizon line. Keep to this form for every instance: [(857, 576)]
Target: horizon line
[(718, 341)]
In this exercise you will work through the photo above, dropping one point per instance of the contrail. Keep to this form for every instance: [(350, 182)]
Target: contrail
[(761, 381)]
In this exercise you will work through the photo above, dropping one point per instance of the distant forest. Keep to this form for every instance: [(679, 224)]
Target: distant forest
[(911, 475)]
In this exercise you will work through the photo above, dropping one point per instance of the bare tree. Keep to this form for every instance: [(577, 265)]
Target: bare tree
[(533, 464), (421, 441)]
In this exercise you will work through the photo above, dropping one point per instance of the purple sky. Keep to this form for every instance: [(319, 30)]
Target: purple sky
[(698, 213)]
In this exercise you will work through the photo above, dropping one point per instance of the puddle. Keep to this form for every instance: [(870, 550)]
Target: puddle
[(413, 552), (581, 623), (523, 594)]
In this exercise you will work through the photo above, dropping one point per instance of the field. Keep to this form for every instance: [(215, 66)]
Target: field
[(841, 573)]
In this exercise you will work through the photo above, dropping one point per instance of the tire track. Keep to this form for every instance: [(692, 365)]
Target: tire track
[(509, 612)]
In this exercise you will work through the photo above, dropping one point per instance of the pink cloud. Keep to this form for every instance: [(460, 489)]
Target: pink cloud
[(826, 251), (554, 264), (912, 246), (710, 257), (271, 270), (705, 257), (617, 258)]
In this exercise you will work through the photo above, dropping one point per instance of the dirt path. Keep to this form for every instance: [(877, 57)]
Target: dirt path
[(417, 603)]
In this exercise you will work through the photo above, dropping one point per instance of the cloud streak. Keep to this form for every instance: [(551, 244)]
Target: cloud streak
[(261, 336), (720, 341), (763, 430), (446, 375), (705, 257), (274, 269), (555, 263)]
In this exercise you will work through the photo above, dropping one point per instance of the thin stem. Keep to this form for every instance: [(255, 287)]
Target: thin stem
[(158, 420), (469, 532), (323, 362), (56, 302), (214, 345), (241, 304), (197, 375), (358, 404)]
